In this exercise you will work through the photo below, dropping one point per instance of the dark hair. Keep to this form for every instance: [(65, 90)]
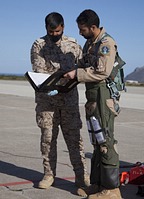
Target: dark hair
[(88, 17), (53, 20)]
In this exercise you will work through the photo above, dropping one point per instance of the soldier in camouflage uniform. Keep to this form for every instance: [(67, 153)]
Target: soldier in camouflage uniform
[(94, 69), (49, 54)]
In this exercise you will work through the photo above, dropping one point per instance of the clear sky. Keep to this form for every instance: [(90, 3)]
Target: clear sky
[(22, 21)]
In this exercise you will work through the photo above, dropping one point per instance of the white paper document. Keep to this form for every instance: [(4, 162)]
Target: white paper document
[(38, 78)]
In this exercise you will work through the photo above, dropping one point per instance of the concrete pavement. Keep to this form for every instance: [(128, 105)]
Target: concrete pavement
[(20, 158), (133, 98)]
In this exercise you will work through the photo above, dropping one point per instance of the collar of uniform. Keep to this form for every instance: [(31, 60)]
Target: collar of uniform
[(100, 35)]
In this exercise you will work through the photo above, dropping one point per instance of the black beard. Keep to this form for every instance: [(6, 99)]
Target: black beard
[(55, 38), (88, 36)]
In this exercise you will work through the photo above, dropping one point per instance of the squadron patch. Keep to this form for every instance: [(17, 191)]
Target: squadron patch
[(104, 50)]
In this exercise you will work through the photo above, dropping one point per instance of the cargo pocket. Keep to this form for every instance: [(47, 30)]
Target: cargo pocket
[(109, 156), (113, 106)]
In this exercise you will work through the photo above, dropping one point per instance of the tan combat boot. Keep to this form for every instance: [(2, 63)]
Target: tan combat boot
[(92, 189), (46, 182), (106, 194), (82, 183), (84, 192)]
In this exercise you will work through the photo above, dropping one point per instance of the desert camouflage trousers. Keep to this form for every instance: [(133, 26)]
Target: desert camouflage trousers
[(49, 119)]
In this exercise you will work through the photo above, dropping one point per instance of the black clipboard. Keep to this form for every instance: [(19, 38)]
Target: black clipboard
[(43, 82)]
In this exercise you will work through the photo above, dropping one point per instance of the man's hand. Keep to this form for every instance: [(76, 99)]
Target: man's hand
[(70, 75)]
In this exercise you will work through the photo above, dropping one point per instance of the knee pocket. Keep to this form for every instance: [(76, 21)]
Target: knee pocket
[(109, 155)]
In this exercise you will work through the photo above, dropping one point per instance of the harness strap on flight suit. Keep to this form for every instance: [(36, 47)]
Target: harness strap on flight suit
[(110, 83)]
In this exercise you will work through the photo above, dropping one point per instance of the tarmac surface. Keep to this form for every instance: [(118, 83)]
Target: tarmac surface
[(20, 157)]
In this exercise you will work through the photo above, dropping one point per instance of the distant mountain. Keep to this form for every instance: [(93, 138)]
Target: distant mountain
[(136, 75)]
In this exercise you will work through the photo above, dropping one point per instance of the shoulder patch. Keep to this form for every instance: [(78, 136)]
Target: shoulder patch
[(104, 49)]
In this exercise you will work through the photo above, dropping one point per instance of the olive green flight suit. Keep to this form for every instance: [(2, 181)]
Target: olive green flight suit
[(105, 160), (94, 69)]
